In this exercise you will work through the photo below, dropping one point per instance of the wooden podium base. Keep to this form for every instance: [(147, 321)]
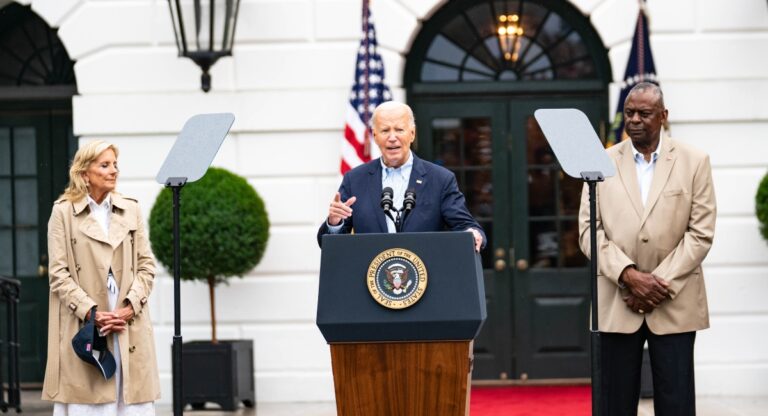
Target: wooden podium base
[(402, 378)]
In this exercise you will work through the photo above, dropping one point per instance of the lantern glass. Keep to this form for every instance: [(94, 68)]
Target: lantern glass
[(205, 30)]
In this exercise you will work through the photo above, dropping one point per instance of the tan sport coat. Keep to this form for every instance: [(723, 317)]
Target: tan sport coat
[(80, 255), (669, 237)]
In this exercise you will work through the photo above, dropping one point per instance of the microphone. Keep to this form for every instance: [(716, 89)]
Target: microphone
[(386, 199), (409, 201)]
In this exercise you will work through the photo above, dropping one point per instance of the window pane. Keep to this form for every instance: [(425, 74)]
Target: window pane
[(24, 158), (444, 50), (435, 72), (26, 201), (6, 212), (570, 253), (477, 142), (584, 68), (5, 151), (460, 33), (476, 65), (492, 45), (553, 30), (542, 172), (543, 244), (447, 141), (533, 16), (6, 248), (26, 252), (483, 20), (479, 193), (541, 192), (568, 50), (570, 191)]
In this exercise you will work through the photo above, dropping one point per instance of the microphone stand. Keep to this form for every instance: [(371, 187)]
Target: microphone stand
[(402, 213), (399, 220)]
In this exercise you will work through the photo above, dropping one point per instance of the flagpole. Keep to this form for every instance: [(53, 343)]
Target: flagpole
[(366, 83)]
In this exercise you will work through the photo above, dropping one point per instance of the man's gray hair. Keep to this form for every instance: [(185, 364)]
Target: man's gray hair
[(648, 86), (394, 105)]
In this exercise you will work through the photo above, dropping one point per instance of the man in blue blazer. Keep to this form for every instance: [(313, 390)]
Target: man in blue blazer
[(439, 203)]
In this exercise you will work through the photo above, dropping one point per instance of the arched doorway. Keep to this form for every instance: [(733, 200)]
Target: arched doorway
[(37, 83), (474, 95)]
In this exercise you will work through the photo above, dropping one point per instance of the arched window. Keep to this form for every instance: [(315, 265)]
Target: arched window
[(31, 53), (525, 40)]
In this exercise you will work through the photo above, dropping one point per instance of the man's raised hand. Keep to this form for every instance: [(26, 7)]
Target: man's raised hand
[(340, 210)]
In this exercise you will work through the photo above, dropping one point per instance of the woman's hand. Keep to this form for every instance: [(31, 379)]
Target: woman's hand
[(109, 322), (125, 313), (114, 321)]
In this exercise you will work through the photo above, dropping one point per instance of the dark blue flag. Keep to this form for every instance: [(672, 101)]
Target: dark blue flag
[(640, 68)]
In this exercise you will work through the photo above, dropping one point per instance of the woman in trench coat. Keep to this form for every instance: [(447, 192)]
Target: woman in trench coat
[(99, 256)]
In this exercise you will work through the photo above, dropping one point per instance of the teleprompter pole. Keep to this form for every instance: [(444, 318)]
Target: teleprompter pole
[(178, 405), (592, 178)]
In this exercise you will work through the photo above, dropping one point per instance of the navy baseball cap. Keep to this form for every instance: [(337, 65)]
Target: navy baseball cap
[(91, 347)]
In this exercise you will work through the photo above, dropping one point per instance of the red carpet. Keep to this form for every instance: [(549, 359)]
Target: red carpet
[(531, 401)]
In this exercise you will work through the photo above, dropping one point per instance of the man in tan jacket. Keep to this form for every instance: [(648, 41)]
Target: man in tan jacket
[(655, 225)]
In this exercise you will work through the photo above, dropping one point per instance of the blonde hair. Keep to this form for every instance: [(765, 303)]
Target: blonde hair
[(77, 188)]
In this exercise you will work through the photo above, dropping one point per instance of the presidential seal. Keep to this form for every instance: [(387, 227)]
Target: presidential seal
[(397, 278)]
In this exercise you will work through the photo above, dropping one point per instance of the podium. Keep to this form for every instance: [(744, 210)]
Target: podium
[(400, 312)]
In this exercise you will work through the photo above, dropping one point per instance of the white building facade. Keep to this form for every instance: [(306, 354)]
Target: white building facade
[(288, 83)]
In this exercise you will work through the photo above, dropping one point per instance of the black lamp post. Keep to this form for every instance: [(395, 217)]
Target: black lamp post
[(205, 31)]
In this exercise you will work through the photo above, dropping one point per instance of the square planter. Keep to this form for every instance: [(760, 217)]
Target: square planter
[(218, 373)]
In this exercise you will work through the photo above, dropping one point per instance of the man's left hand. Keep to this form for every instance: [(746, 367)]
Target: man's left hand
[(636, 305), (478, 239)]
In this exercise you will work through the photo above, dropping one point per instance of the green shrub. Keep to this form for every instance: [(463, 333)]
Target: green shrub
[(223, 225), (761, 206)]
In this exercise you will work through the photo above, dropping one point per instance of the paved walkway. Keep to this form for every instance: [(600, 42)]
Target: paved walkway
[(706, 406)]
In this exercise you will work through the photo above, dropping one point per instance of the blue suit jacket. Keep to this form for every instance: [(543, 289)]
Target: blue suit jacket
[(439, 203)]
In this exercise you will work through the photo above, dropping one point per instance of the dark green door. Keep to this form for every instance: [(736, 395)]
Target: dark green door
[(468, 138), (34, 151), (550, 276), (536, 279)]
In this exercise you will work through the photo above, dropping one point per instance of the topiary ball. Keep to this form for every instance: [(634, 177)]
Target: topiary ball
[(761, 206), (223, 225)]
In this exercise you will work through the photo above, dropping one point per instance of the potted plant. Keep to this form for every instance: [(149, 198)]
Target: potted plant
[(761, 206), (224, 230)]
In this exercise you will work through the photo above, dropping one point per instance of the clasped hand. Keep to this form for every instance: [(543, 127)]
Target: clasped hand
[(646, 291), (109, 322)]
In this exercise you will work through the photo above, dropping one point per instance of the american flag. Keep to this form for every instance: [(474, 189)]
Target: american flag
[(368, 91), (640, 67)]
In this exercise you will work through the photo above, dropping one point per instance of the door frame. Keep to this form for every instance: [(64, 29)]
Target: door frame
[(55, 146)]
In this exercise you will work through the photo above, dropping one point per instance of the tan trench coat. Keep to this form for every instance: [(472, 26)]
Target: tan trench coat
[(80, 255), (669, 236)]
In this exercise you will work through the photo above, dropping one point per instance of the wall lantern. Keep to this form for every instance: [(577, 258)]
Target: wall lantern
[(510, 32), (205, 31)]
